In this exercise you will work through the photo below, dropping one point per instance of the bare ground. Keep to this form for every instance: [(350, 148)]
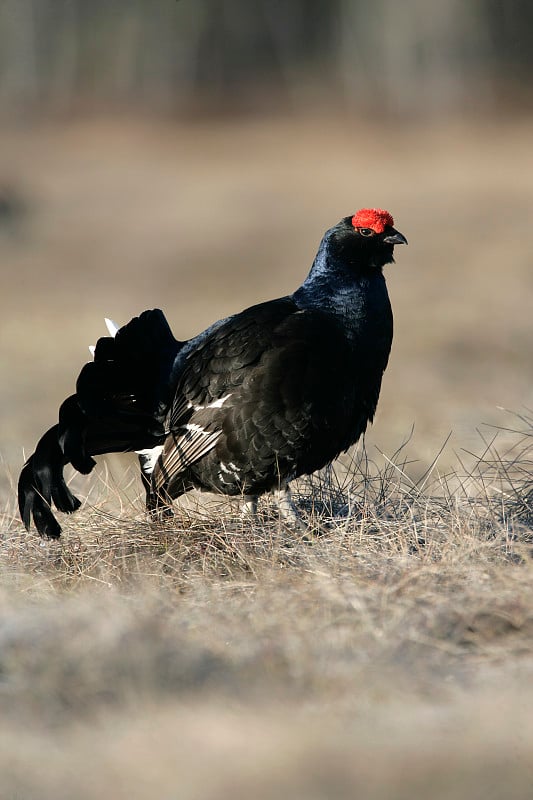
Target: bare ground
[(393, 655)]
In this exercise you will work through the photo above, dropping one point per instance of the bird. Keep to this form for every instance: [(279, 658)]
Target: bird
[(256, 400)]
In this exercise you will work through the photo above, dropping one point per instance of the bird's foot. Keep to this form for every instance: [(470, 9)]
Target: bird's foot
[(288, 513), (159, 508), (287, 509), (291, 517), (249, 508), (160, 517)]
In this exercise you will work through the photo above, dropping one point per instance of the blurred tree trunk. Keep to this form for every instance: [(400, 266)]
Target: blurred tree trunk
[(19, 83), (410, 57), (385, 56)]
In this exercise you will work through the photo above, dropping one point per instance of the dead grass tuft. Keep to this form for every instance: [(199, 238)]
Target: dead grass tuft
[(412, 603)]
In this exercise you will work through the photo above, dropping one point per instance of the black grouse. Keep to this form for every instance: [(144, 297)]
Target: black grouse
[(254, 401)]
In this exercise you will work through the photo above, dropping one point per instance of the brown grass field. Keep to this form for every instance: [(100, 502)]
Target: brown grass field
[(391, 657)]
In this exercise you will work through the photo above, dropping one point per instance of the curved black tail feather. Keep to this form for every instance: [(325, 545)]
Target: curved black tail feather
[(41, 482), (119, 406)]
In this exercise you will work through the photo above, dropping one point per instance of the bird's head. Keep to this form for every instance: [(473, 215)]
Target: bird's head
[(367, 238), (354, 250)]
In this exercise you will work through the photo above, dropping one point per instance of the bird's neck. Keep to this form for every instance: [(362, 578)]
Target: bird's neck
[(339, 285)]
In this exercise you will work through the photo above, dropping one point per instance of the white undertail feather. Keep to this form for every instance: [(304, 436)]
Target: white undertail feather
[(149, 457), (112, 327)]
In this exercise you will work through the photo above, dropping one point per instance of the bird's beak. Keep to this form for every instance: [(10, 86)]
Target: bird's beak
[(395, 237)]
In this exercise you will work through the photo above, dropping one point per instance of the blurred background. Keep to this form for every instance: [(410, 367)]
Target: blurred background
[(189, 155)]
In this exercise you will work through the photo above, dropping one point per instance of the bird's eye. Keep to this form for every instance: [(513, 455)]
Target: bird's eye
[(366, 231)]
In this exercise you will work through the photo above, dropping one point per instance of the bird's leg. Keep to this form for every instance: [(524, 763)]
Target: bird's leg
[(146, 477), (249, 507), (159, 505), (158, 501), (287, 510)]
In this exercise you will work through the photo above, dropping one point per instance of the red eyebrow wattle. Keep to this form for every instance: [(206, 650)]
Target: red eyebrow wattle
[(375, 218)]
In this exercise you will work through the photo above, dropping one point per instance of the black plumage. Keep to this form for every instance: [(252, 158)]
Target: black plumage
[(256, 400)]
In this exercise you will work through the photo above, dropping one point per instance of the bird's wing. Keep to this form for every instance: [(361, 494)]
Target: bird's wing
[(260, 383), (212, 371)]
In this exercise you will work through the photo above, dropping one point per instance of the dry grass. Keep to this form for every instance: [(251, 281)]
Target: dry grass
[(390, 657), (393, 655)]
